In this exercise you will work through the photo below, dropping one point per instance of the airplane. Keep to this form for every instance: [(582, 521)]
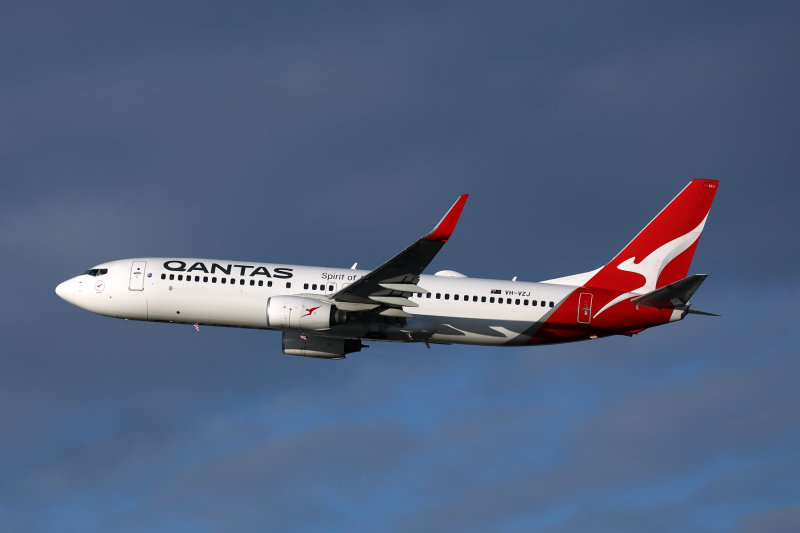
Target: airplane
[(329, 312)]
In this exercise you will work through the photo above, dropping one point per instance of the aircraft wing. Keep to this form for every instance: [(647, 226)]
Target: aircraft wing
[(388, 287)]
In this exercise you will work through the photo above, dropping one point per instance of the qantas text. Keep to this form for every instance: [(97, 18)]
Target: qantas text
[(180, 266)]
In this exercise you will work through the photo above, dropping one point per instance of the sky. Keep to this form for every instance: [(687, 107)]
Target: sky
[(331, 133)]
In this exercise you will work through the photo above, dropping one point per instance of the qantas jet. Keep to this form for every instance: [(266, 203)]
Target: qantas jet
[(328, 312)]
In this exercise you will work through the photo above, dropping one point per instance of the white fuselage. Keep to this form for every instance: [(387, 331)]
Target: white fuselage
[(327, 312), (230, 293)]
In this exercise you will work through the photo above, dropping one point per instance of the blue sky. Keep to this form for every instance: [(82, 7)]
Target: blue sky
[(328, 134)]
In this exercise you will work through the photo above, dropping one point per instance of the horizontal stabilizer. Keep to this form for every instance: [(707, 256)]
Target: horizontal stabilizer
[(673, 295), (693, 312)]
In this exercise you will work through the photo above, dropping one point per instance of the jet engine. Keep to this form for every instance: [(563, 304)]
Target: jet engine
[(295, 343), (298, 312)]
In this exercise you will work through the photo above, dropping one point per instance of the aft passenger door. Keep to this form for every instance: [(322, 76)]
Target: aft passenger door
[(585, 308), (137, 276)]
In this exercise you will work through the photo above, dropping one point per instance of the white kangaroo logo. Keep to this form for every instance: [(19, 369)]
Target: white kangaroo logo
[(651, 266)]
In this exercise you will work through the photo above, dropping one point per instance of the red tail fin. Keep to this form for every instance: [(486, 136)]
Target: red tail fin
[(662, 252)]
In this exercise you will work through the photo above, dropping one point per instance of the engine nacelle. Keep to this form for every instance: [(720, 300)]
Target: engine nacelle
[(300, 313), (311, 346)]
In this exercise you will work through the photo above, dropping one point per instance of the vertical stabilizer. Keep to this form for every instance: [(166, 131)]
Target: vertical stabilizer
[(662, 252)]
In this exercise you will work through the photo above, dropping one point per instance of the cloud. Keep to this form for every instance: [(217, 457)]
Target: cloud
[(334, 135), (777, 520), (300, 481)]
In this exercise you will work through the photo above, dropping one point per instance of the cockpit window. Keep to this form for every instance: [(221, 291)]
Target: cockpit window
[(94, 272)]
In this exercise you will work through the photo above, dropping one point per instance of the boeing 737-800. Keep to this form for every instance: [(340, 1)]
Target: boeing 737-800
[(329, 312)]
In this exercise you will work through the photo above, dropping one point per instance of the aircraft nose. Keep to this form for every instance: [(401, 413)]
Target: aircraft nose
[(65, 290)]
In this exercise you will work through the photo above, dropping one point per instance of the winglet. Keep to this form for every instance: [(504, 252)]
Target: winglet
[(444, 229)]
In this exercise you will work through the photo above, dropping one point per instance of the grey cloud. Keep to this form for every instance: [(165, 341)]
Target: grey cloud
[(775, 520), (301, 481), (334, 135), (772, 480)]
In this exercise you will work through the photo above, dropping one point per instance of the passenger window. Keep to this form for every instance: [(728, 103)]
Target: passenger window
[(214, 279), (224, 280), (261, 283), (314, 287), (252, 282), (455, 297), (447, 296), (172, 276), (428, 295), (269, 283), (516, 302), (305, 286), (205, 279), (241, 281), (533, 303), (288, 284), (543, 302), (163, 276), (438, 295), (491, 300), (330, 288), (526, 302), (483, 298), (551, 304), (197, 278)]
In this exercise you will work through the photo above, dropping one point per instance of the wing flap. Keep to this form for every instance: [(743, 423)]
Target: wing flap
[(397, 301), (397, 313), (409, 288)]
